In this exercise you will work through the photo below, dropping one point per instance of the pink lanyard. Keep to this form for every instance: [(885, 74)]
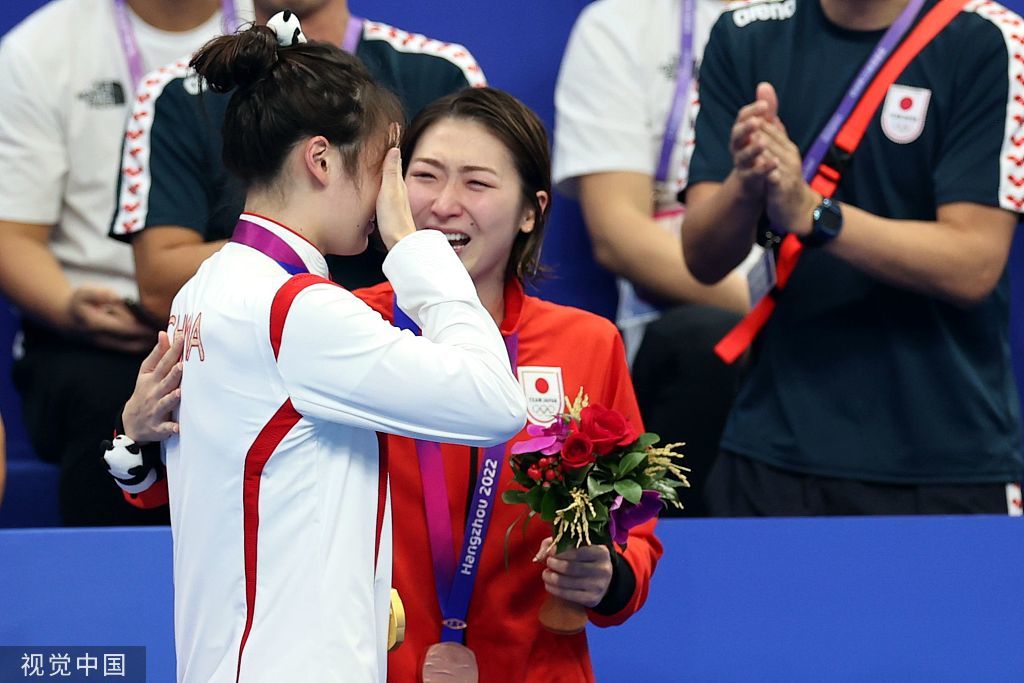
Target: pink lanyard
[(130, 45)]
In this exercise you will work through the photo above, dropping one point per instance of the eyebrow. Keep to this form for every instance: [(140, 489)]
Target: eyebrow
[(462, 169)]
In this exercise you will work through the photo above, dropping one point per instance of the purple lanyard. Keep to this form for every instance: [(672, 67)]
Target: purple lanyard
[(684, 74), (881, 52), (130, 45), (262, 240), (454, 583), (353, 31)]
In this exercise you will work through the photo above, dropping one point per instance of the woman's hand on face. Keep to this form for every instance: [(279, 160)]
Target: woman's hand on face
[(580, 575), (146, 416), (394, 218)]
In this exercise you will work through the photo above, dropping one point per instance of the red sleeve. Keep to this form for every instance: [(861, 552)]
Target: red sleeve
[(643, 549), (153, 497)]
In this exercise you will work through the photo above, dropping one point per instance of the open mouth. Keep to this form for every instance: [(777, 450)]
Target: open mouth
[(457, 240)]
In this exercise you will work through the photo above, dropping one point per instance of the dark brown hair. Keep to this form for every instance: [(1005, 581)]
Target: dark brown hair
[(522, 134), (283, 94)]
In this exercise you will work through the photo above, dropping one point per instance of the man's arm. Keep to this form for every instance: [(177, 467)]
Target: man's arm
[(32, 278), (165, 258), (958, 258), (630, 243)]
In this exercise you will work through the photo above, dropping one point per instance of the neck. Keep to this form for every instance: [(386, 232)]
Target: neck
[(174, 15), (327, 23), (492, 296), (863, 15), (298, 216)]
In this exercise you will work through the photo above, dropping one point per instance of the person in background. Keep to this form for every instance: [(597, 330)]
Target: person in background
[(178, 203), (882, 382), (67, 74), (625, 104), (277, 481), (478, 171)]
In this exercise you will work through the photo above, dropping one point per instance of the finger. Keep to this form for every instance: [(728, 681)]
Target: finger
[(546, 549), (171, 356), (165, 430), (766, 94), (168, 402), (582, 596), (742, 133), (150, 362), (746, 158), (170, 381), (755, 108), (571, 568), (93, 294)]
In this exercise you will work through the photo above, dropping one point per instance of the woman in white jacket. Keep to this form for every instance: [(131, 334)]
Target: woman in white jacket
[(277, 486)]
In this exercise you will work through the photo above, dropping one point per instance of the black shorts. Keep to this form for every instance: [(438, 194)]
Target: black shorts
[(743, 487)]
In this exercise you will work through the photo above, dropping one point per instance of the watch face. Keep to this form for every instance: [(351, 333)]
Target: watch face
[(828, 218)]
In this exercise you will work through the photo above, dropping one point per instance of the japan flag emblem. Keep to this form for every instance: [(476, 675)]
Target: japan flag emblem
[(545, 397), (904, 113)]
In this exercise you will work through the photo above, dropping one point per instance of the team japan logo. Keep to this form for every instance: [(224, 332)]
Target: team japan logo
[(904, 113), (545, 397)]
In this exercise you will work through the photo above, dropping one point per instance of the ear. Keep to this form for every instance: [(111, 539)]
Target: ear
[(317, 158), (529, 220)]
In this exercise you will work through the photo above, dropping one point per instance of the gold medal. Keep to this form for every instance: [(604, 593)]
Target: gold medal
[(450, 663), (396, 622)]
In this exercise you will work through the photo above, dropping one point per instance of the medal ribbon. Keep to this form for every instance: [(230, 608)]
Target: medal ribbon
[(263, 240), (824, 164), (454, 583), (130, 44), (684, 75), (353, 30)]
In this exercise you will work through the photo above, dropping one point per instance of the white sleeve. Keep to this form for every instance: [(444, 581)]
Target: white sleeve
[(601, 123), (342, 362), (33, 157)]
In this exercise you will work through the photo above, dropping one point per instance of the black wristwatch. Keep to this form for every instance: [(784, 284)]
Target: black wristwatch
[(826, 224)]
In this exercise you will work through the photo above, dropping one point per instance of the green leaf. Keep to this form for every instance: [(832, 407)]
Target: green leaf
[(630, 461), (534, 497), (630, 490), (514, 496), (596, 487), (549, 505), (647, 439), (600, 511)]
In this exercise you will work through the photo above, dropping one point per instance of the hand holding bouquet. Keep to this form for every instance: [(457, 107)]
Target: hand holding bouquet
[(592, 476)]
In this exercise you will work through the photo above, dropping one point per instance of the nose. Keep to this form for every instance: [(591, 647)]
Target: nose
[(447, 203)]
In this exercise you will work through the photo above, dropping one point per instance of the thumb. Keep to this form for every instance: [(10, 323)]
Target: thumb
[(766, 94), (392, 169)]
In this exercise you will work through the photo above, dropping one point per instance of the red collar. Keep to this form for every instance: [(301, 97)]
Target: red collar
[(514, 297)]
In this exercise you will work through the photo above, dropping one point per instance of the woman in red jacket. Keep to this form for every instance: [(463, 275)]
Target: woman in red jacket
[(478, 169)]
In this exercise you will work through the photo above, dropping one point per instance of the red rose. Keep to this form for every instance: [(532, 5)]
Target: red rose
[(577, 451), (606, 428)]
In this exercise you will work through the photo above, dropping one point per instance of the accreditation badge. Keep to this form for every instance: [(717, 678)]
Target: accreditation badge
[(904, 113), (545, 396), (450, 663)]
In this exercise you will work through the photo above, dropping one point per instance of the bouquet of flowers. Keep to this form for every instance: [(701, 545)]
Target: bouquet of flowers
[(592, 476)]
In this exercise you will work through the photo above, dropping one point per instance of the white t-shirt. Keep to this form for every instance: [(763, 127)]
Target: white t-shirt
[(275, 480), (65, 91), (615, 89)]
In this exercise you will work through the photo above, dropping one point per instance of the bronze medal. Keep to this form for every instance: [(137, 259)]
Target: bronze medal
[(450, 663)]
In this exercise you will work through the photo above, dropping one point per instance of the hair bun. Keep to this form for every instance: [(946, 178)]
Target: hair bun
[(238, 60)]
